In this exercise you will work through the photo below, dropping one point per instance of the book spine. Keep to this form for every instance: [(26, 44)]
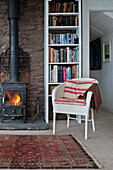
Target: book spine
[(70, 55), (73, 72), (49, 54), (56, 8), (62, 58), (53, 55), (64, 74), (75, 55), (50, 73), (76, 6), (60, 74), (69, 74), (59, 4), (67, 54)]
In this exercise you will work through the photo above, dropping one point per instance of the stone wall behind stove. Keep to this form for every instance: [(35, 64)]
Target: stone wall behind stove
[(31, 40)]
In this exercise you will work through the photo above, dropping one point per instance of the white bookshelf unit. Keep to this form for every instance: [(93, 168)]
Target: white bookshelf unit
[(62, 44)]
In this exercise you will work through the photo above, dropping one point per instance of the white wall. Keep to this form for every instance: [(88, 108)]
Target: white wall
[(105, 76), (87, 5)]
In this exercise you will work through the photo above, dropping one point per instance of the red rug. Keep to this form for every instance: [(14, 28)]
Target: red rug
[(43, 152)]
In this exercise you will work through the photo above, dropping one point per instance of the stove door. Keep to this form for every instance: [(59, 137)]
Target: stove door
[(13, 98)]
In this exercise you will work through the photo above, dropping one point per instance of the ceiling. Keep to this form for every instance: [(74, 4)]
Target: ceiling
[(101, 24)]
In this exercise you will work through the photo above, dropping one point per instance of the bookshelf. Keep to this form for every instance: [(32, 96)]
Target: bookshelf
[(62, 44)]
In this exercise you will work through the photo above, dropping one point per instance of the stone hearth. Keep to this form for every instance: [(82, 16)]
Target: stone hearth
[(17, 124)]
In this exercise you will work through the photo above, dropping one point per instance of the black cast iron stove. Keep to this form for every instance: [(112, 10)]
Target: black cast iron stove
[(13, 93)]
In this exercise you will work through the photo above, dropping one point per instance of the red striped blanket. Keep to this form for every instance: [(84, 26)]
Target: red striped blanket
[(74, 88)]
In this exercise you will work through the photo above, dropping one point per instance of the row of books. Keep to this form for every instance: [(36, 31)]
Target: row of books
[(58, 74), (63, 21), (63, 55), (64, 6), (67, 38)]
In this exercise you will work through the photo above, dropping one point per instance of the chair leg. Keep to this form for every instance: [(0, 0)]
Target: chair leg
[(54, 120), (86, 126), (92, 117), (68, 120)]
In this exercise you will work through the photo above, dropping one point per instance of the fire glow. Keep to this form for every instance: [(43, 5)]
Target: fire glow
[(13, 98)]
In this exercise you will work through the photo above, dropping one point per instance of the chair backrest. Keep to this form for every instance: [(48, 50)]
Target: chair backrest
[(78, 86)]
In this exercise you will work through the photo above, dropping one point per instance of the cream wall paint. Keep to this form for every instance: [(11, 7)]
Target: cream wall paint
[(87, 5)]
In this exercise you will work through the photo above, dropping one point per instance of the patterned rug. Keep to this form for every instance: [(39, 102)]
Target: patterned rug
[(43, 152)]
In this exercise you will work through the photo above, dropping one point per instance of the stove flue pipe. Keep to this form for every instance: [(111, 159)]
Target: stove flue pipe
[(13, 16)]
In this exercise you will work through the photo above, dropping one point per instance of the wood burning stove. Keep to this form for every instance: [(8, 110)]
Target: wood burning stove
[(13, 101)]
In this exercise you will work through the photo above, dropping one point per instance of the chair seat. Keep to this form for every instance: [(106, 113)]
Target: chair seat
[(70, 101)]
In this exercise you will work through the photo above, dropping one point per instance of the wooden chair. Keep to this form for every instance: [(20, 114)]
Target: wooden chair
[(72, 105)]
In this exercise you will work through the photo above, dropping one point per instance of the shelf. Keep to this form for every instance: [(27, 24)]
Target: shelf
[(61, 23), (63, 45), (63, 27), (72, 63), (54, 83), (63, 14), (49, 95)]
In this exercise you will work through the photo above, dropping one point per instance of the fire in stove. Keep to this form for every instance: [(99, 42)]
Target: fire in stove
[(13, 97)]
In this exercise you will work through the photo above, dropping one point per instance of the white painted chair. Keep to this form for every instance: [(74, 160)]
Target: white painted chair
[(70, 108)]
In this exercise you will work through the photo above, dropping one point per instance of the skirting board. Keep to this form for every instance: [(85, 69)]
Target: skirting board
[(108, 108)]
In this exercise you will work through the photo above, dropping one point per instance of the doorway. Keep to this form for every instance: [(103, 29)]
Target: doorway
[(101, 27)]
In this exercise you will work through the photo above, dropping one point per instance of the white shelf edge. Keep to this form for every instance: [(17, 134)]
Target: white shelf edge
[(64, 14), (61, 45), (49, 95), (62, 27), (54, 83), (65, 63)]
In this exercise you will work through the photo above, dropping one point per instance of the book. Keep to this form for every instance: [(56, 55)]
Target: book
[(76, 20), (56, 8), (60, 74), (64, 74), (73, 72), (69, 73), (76, 6), (50, 74), (55, 73), (68, 59), (59, 5), (70, 56), (76, 71), (65, 55), (75, 54), (71, 6), (65, 7), (49, 55)]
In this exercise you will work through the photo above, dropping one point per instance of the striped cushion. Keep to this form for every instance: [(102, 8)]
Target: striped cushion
[(70, 101), (74, 88)]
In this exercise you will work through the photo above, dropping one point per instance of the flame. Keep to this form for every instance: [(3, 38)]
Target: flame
[(14, 99)]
